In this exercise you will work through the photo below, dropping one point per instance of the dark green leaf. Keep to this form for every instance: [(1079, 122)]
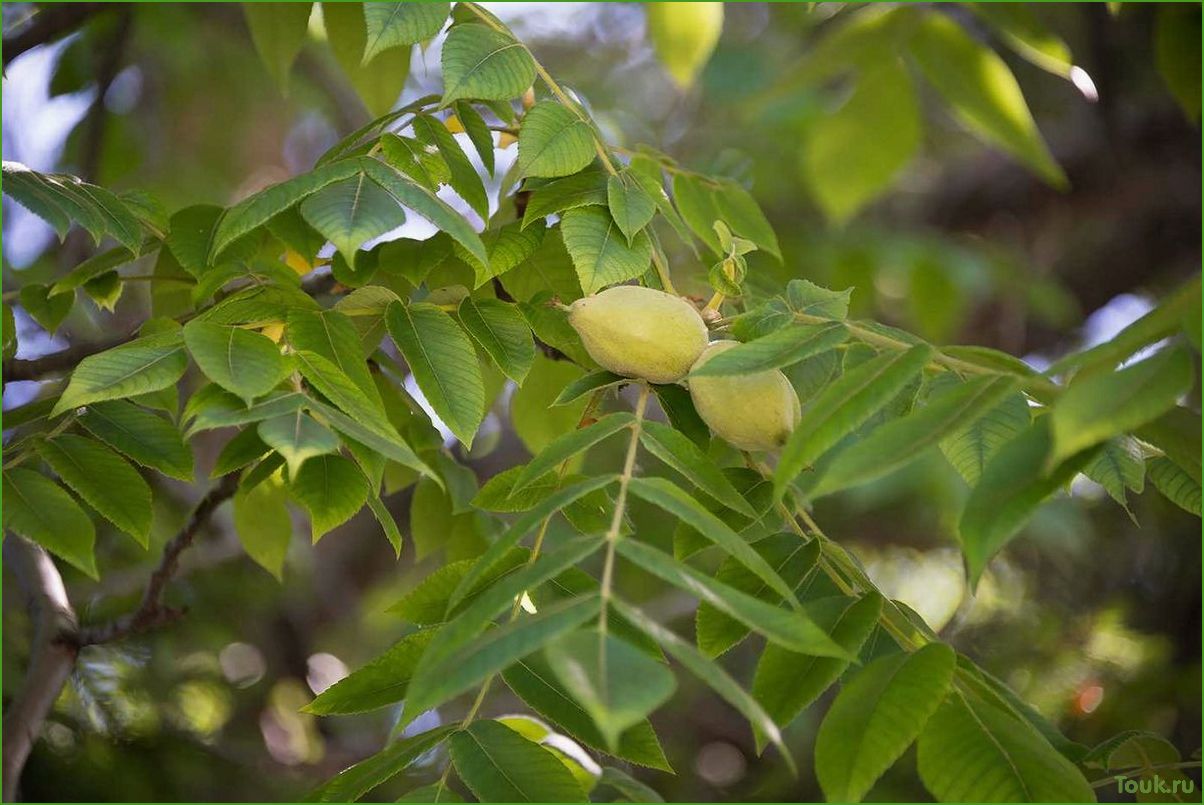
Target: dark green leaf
[(38, 509), (500, 765)]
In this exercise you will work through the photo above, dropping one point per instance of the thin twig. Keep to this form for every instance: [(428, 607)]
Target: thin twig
[(151, 612)]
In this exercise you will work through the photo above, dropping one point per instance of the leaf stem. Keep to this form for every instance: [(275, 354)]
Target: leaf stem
[(616, 521)]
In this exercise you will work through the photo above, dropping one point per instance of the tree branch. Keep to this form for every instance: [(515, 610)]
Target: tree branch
[(51, 22), (55, 362), (52, 653), (152, 612)]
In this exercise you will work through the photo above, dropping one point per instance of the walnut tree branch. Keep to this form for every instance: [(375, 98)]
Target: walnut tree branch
[(52, 653), (151, 611)]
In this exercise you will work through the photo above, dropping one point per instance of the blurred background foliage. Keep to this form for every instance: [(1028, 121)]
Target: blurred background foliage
[(872, 180)]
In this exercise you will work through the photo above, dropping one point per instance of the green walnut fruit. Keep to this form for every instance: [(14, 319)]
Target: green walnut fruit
[(640, 332), (757, 411)]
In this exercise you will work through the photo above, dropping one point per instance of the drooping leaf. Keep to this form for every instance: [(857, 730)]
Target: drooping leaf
[(1097, 407), (695, 200), (262, 522), (478, 132), (982, 91), (971, 750), (500, 765), (587, 384), (684, 36), (428, 205), (740, 211), (900, 441), (502, 332), (856, 396), (554, 141), (599, 251), (778, 349), (444, 364), (676, 450), (104, 480), (583, 189), (139, 367), (46, 308), (790, 629), (1013, 484), (332, 489), (482, 64), (846, 165), (668, 496), (533, 681), (793, 559), (355, 781), (431, 685), (243, 362), (379, 683), (630, 204), (522, 526), (278, 31), (393, 25), (463, 177), (1117, 467), (351, 212), (710, 673), (616, 683), (876, 717), (379, 81), (509, 246), (1178, 487), (970, 447), (297, 437), (786, 682), (142, 436), (38, 509), (570, 444)]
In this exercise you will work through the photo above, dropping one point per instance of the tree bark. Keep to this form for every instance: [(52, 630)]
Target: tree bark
[(52, 654)]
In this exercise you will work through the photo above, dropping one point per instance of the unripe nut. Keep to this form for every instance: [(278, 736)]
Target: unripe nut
[(756, 411), (640, 332)]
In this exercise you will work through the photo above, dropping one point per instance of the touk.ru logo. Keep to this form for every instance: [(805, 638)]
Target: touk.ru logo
[(1154, 784)]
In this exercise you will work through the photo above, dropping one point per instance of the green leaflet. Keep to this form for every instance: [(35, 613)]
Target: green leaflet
[(971, 750), (896, 443), (331, 334), (241, 361), (876, 717), (261, 520), (278, 31), (140, 435), (331, 489), (630, 204), (676, 450), (710, 673), (587, 188), (502, 332), (615, 682), (774, 351), (38, 509), (982, 91), (296, 437), (463, 177), (786, 682), (378, 81), (104, 479), (391, 25), (350, 212), (833, 156), (570, 444), (1013, 484), (1100, 406), (352, 783), (844, 405), (139, 367), (1178, 487), (380, 682), (444, 364), (599, 251), (970, 447), (789, 629), (500, 765), (533, 681), (554, 141), (482, 64)]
